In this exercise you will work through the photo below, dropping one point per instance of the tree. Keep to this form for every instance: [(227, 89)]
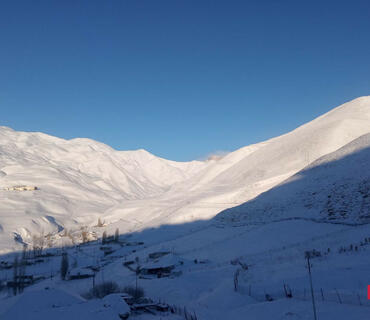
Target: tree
[(137, 271), (24, 252), (100, 223), (236, 279), (15, 275), (84, 235), (38, 244), (64, 265), (71, 236), (49, 240), (116, 235), (104, 237), (22, 270)]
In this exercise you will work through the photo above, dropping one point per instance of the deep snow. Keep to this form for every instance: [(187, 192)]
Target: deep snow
[(308, 189)]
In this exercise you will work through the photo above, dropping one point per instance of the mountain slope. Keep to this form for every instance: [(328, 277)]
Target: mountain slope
[(81, 180), (77, 181), (335, 188), (244, 174), (129, 171)]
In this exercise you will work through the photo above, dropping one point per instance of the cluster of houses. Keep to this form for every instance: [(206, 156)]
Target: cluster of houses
[(21, 188)]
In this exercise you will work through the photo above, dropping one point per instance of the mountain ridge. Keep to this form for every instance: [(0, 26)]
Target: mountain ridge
[(81, 180)]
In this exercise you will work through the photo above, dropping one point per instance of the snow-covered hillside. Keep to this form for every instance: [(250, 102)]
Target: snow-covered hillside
[(224, 238), (76, 180), (245, 173), (335, 188), (81, 180)]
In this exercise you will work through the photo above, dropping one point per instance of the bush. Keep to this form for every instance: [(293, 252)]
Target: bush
[(102, 290), (136, 293)]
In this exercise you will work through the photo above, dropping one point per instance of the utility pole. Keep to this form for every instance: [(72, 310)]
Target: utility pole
[(307, 254)]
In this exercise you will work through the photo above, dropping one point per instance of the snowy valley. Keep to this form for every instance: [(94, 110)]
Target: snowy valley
[(224, 238)]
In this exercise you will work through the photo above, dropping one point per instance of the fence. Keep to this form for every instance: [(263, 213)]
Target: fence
[(322, 295)]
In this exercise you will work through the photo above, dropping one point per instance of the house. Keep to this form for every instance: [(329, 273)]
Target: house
[(159, 254), (6, 265), (162, 267), (129, 265), (80, 273), (107, 250)]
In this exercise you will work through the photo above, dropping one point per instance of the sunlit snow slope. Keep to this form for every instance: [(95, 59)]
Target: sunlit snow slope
[(77, 181), (80, 180), (334, 188)]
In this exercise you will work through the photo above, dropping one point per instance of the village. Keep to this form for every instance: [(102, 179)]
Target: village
[(138, 274), (83, 262)]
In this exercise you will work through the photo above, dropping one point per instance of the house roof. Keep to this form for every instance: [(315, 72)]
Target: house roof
[(169, 260)]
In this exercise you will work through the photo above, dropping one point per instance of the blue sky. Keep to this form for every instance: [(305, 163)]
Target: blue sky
[(181, 79)]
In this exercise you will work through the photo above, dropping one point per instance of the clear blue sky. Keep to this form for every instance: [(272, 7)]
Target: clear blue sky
[(181, 79)]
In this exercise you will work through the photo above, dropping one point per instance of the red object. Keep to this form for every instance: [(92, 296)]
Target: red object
[(368, 292)]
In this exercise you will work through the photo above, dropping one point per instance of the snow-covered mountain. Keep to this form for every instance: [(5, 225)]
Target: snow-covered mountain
[(335, 188), (270, 203), (77, 180), (81, 180), (245, 173)]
